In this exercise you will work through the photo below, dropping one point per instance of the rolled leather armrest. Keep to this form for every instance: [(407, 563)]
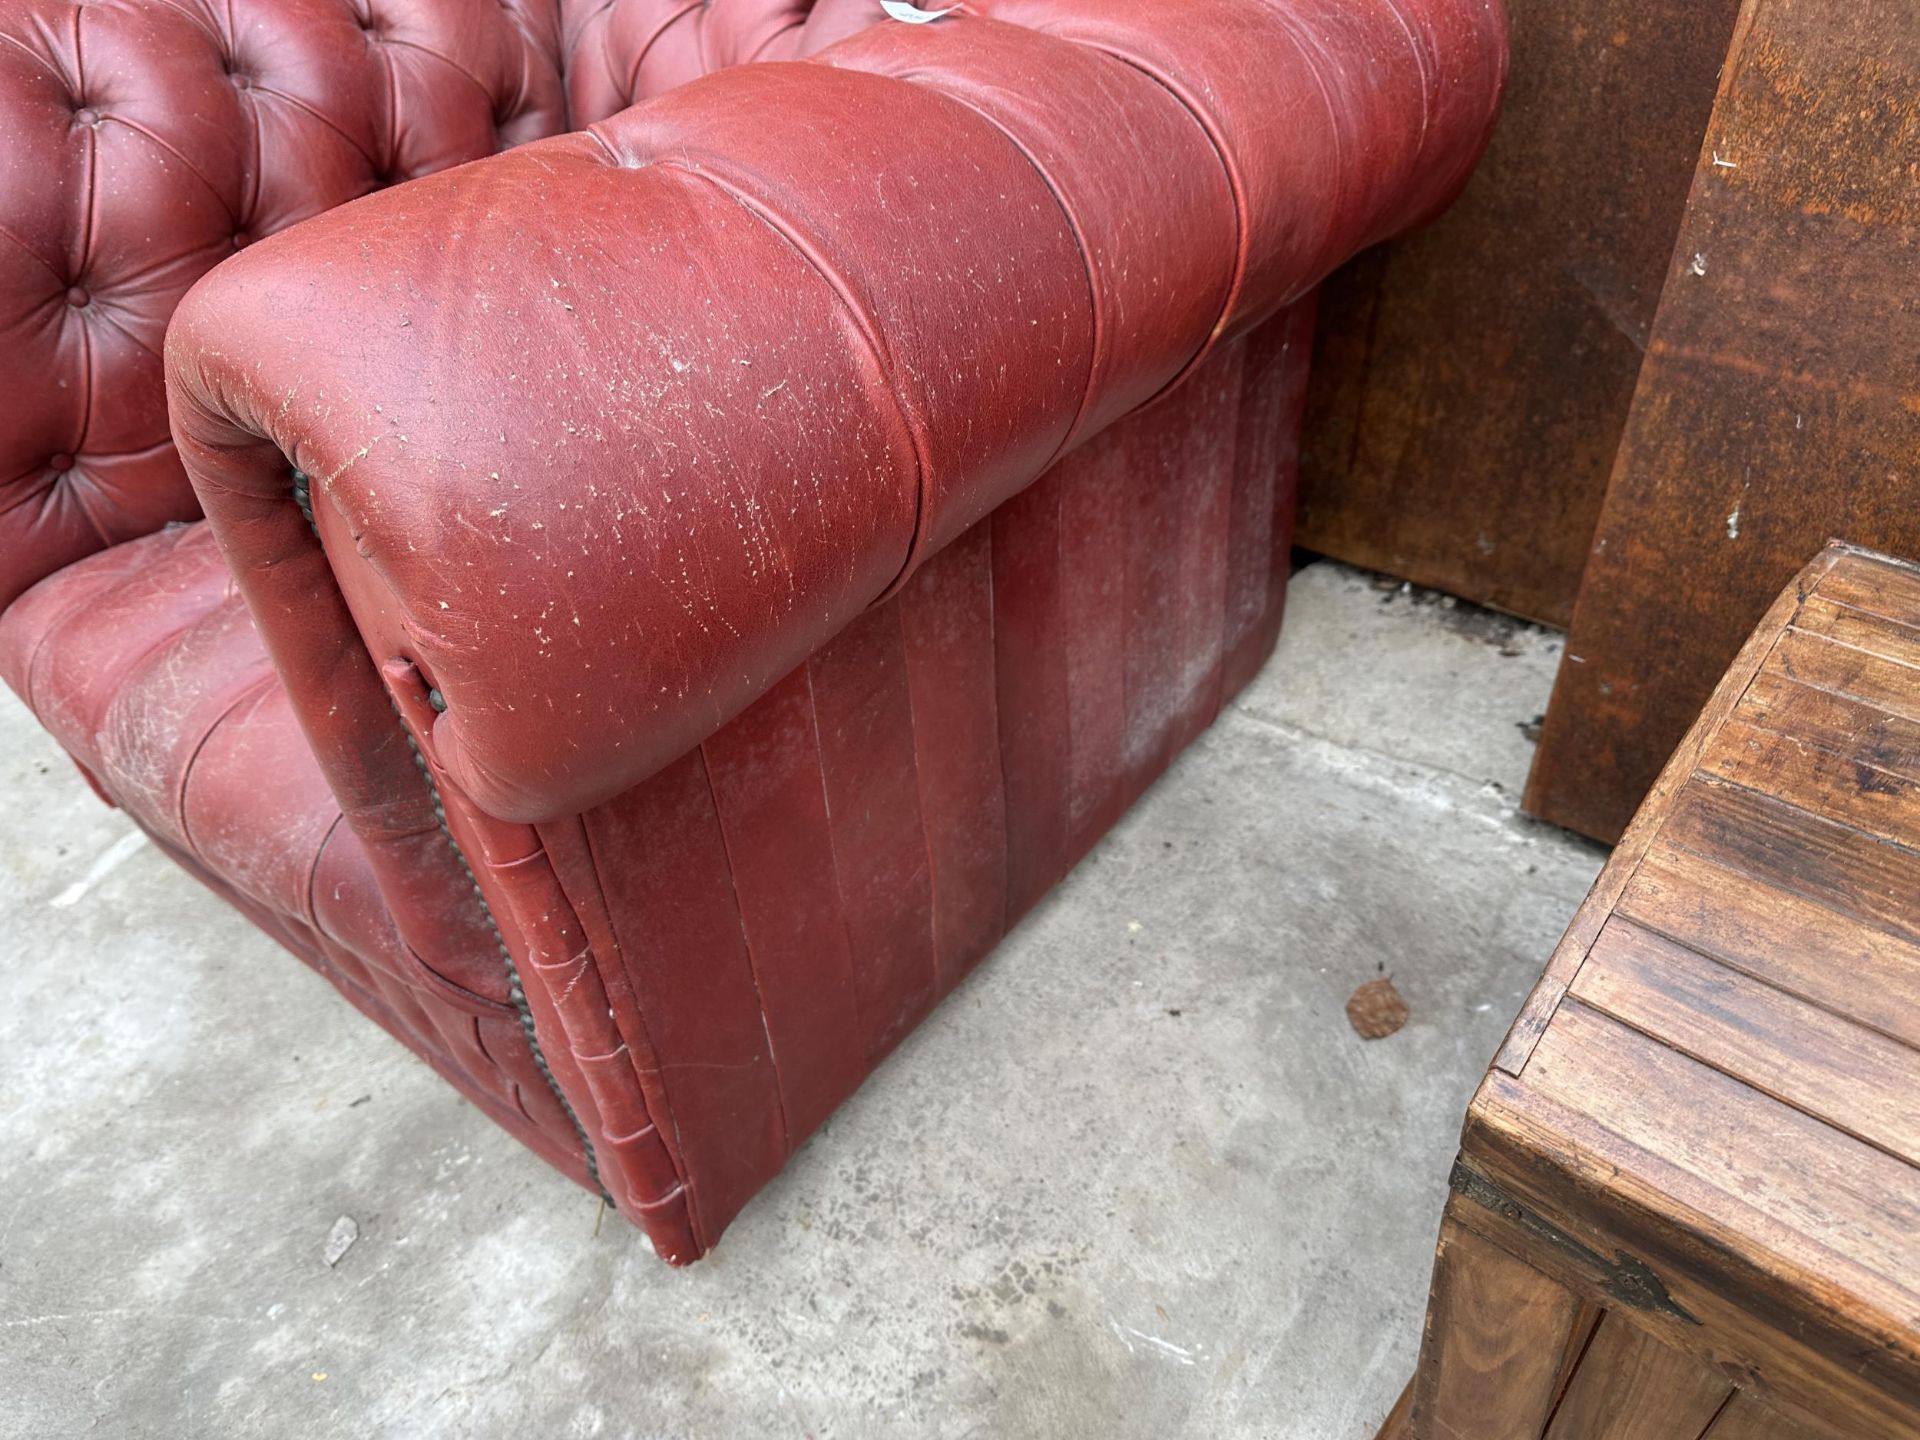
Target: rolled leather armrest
[(604, 435)]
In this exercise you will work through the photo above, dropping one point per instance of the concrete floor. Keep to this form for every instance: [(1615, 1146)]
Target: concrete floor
[(1137, 1178)]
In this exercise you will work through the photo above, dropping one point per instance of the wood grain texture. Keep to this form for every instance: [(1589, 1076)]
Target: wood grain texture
[(1709, 1123), (1721, 1327), (1779, 935), (1620, 869), (1746, 1418), (1823, 1064), (1631, 1387), (1691, 1139), (1470, 381), (1491, 1355), (1779, 404)]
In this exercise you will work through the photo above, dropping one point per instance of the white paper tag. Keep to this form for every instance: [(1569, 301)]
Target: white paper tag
[(913, 14)]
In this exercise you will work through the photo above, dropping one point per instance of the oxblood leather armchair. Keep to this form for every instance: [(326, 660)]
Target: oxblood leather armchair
[(710, 583)]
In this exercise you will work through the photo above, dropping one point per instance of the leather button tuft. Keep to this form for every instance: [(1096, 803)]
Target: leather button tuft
[(86, 115), (241, 239), (78, 298), (241, 82), (60, 464)]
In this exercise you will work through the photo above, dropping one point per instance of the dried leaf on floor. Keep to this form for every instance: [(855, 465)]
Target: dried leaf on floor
[(1376, 1009)]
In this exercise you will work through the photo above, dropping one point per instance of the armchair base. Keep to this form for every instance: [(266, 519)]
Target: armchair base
[(841, 854)]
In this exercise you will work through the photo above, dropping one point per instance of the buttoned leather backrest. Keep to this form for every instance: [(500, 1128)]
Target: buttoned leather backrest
[(146, 140), (143, 141)]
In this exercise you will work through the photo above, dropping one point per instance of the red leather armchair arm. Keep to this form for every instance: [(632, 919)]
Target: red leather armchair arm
[(604, 435)]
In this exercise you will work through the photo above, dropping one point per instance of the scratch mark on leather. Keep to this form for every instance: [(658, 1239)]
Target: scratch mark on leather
[(355, 458)]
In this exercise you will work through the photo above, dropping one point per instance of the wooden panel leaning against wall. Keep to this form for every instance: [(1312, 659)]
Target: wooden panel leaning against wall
[(1779, 405), (1472, 379)]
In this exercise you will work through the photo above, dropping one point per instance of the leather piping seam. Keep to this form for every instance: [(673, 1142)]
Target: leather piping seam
[(515, 991), (1313, 55), (629, 88), (841, 908), (177, 802), (936, 990), (309, 903), (1423, 61), (676, 1152), (746, 947), (303, 497), (773, 38)]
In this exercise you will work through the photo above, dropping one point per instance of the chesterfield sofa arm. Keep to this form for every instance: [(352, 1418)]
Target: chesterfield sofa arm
[(612, 431), (738, 504)]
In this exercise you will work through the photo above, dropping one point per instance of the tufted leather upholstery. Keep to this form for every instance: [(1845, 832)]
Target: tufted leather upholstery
[(756, 470), (147, 140), (1158, 550), (143, 662), (621, 51), (694, 495)]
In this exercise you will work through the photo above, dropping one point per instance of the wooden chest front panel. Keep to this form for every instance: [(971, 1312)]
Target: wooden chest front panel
[(1707, 1119)]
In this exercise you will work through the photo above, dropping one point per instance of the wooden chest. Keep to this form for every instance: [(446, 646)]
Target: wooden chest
[(1687, 1203)]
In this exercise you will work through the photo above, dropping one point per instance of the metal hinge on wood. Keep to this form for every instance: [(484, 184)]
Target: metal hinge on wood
[(1624, 1278)]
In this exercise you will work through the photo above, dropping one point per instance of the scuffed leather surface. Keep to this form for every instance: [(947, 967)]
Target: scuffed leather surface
[(142, 661), (654, 411), (846, 850), (693, 461), (148, 140), (895, 710)]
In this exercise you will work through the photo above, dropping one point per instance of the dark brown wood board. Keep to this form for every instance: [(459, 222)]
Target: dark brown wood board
[(1779, 405), (1628, 1386), (1702, 1124), (1471, 380)]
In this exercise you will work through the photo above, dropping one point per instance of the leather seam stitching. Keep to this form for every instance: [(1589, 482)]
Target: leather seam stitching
[(1236, 187), (675, 1152), (860, 1020), (920, 801), (297, 489), (516, 991), (249, 692)]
